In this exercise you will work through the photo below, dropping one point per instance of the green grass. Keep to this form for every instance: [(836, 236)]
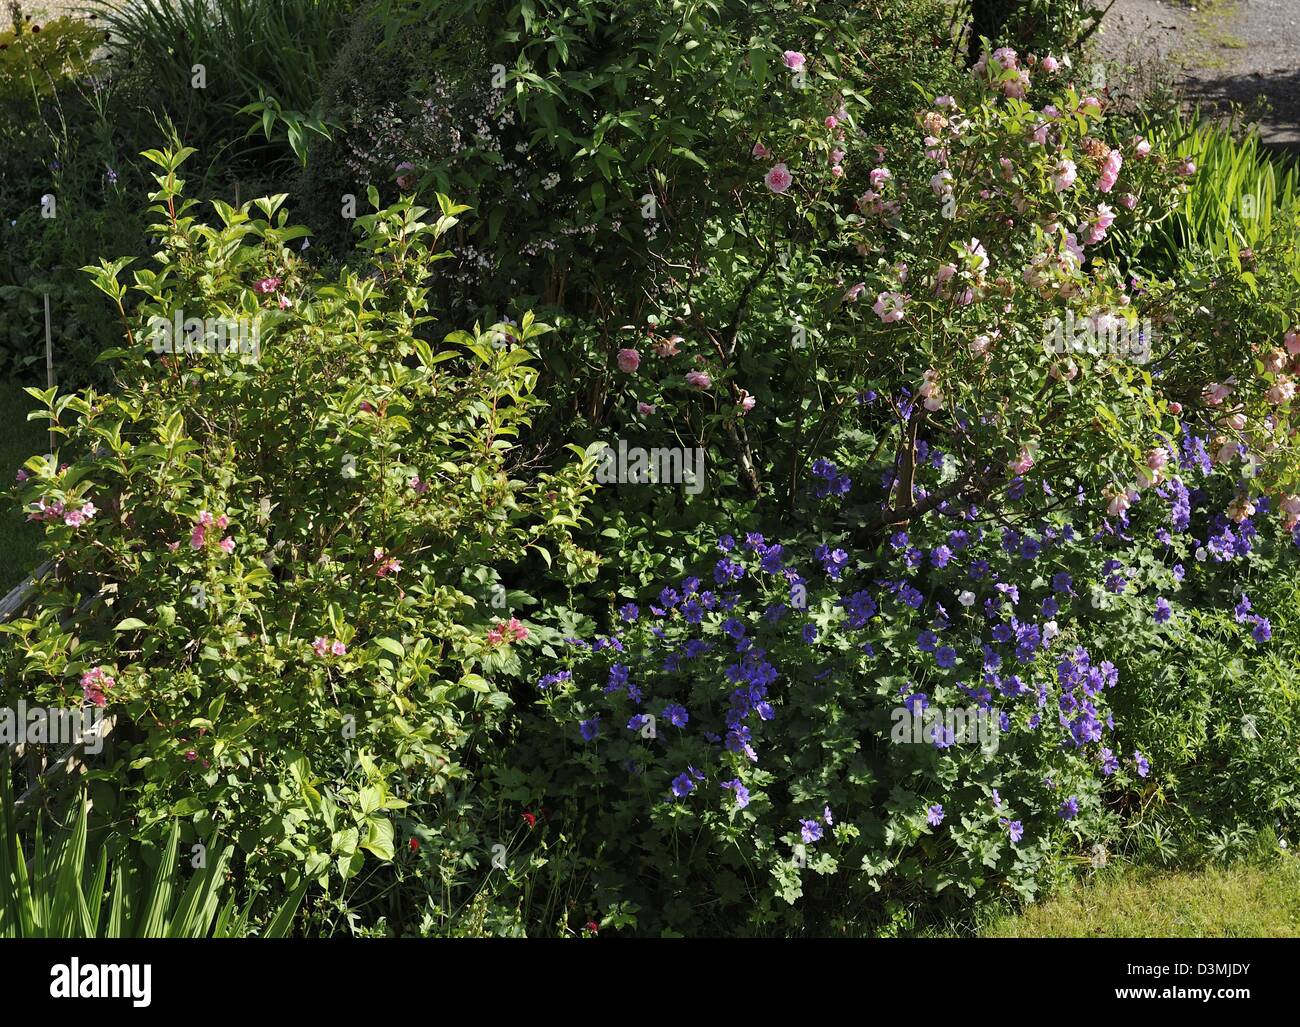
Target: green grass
[(1242, 901), (19, 439)]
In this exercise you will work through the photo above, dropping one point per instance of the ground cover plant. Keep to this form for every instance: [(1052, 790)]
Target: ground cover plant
[(664, 468)]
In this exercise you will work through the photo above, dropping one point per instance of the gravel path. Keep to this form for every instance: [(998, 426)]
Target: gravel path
[(1235, 51)]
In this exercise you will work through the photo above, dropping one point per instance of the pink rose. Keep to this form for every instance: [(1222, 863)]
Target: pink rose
[(778, 179), (1110, 171), (1291, 340), (645, 409), (1023, 461), (628, 360), (698, 379), (1282, 391), (760, 151), (879, 176), (668, 347), (1215, 393), (889, 306), (793, 59), (1064, 174)]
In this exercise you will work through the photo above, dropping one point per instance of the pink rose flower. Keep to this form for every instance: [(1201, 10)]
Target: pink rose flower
[(1064, 174), (778, 179), (1282, 391), (1291, 340), (628, 360), (645, 409), (879, 176), (1110, 171), (761, 151), (698, 379), (1215, 393), (793, 59), (1023, 461), (227, 545), (889, 306)]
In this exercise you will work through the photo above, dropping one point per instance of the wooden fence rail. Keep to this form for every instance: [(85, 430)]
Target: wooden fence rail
[(48, 773)]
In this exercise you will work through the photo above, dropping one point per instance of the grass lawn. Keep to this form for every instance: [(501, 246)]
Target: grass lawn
[(1244, 901), (19, 439)]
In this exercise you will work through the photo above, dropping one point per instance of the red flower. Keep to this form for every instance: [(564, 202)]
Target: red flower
[(531, 818), (415, 844), (593, 927)]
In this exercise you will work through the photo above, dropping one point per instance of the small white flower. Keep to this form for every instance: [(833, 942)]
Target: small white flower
[(967, 598)]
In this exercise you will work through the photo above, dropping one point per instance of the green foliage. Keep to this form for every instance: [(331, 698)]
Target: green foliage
[(296, 544), (54, 894), (204, 60), (1241, 198)]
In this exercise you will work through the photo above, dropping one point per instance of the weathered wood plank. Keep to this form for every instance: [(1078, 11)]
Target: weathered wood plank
[(19, 596)]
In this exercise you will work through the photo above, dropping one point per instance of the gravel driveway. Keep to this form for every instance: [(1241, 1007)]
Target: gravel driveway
[(1234, 51)]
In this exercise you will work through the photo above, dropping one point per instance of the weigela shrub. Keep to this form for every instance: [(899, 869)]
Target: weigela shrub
[(278, 540)]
